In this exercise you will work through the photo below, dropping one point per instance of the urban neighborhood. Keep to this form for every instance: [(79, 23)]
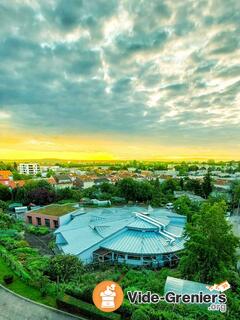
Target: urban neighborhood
[(65, 226), (119, 160)]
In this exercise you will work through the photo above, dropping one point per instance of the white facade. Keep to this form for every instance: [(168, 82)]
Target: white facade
[(29, 168)]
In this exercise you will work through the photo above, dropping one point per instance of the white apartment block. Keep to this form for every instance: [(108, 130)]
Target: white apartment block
[(29, 168)]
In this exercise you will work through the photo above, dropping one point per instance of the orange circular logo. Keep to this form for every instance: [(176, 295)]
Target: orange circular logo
[(107, 296)]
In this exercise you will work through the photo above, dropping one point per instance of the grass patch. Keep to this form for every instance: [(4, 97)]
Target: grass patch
[(56, 209), (21, 288)]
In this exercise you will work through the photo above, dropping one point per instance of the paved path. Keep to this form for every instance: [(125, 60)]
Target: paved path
[(13, 307)]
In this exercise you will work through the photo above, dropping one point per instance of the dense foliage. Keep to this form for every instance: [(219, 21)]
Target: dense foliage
[(64, 268), (210, 252)]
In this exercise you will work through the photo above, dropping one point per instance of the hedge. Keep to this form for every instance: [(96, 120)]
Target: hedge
[(82, 308)]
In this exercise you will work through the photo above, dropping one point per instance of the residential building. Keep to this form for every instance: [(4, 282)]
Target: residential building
[(6, 178), (51, 215), (63, 181), (29, 168), (101, 180), (190, 195), (6, 175), (126, 235)]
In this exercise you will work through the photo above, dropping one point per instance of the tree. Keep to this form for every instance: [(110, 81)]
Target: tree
[(50, 173), (5, 193), (170, 185), (210, 250), (5, 221), (140, 314), (3, 205), (40, 192), (194, 186), (64, 194), (158, 198), (135, 190), (207, 185), (64, 267), (40, 196), (144, 191), (127, 188), (183, 206), (107, 187)]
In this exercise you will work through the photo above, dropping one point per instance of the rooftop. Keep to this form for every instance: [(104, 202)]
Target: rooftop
[(127, 229), (182, 286), (56, 209), (5, 174)]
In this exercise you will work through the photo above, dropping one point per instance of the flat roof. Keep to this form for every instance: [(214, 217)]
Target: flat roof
[(56, 209)]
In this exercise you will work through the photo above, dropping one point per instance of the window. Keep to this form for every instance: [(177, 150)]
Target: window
[(29, 219), (134, 258), (149, 258), (47, 223), (39, 222), (55, 223)]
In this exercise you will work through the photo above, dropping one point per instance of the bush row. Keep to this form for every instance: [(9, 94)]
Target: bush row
[(81, 308)]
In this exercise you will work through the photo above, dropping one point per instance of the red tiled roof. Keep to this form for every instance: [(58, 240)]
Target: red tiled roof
[(51, 180), (4, 182), (5, 174), (20, 183)]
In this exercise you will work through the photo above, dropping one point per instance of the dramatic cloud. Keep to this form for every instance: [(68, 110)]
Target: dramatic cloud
[(167, 72)]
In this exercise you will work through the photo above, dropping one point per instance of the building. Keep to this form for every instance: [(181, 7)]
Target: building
[(131, 235), (63, 181), (100, 181), (29, 168), (190, 195), (51, 215), (181, 287), (6, 175), (6, 178)]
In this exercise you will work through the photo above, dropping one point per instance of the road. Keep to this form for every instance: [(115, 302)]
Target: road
[(13, 307)]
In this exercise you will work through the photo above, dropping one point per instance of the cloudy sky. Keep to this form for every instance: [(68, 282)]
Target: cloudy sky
[(120, 79)]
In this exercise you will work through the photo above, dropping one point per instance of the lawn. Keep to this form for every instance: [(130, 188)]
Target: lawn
[(23, 289), (56, 209)]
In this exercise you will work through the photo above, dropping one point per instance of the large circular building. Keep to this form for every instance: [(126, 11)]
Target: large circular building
[(131, 235)]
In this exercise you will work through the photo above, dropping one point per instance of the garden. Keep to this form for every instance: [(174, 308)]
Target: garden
[(62, 281)]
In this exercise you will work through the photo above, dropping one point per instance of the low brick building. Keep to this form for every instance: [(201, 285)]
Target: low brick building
[(50, 215)]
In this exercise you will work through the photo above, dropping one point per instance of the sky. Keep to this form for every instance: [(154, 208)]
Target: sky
[(118, 79)]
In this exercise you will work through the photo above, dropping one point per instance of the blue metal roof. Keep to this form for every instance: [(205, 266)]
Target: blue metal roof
[(140, 242), (119, 229), (181, 286)]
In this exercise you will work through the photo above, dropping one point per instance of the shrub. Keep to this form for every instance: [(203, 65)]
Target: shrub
[(126, 309), (39, 231), (79, 307), (139, 314), (9, 243), (65, 268), (25, 250), (74, 292), (8, 278), (87, 293)]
